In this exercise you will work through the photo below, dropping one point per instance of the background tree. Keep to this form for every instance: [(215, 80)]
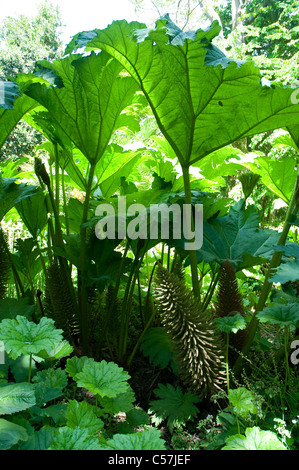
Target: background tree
[(25, 41)]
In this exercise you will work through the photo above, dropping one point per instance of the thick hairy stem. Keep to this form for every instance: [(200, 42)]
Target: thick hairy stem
[(192, 253), (83, 295)]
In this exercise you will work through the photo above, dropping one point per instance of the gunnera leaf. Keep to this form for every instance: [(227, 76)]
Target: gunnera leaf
[(254, 439), (103, 378), (74, 439), (197, 344), (22, 337)]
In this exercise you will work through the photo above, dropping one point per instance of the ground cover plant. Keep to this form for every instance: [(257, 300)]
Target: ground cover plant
[(138, 341)]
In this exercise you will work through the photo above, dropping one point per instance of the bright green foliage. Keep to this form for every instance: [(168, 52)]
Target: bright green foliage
[(202, 111), (10, 434), (149, 439), (254, 439), (278, 175), (174, 405), (242, 401), (57, 351), (22, 336), (272, 27), (103, 378), (16, 397)]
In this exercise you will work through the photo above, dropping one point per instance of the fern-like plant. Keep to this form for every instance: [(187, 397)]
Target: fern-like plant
[(197, 344), (229, 302), (60, 304), (4, 264)]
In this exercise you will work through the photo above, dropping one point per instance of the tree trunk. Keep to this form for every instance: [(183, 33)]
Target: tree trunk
[(236, 12)]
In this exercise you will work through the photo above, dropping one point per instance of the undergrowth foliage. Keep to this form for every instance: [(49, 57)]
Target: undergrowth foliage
[(4, 264), (196, 342)]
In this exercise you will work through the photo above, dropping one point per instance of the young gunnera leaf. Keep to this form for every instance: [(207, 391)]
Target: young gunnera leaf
[(21, 336), (10, 434), (242, 401), (174, 405), (103, 378), (83, 415), (16, 397), (74, 364), (49, 384), (149, 439), (74, 439), (122, 402), (254, 439), (231, 324)]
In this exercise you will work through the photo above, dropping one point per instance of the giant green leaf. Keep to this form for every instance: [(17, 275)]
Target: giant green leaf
[(17, 107), (280, 314), (238, 238), (95, 92), (201, 99), (287, 271), (114, 165), (11, 193), (34, 213)]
